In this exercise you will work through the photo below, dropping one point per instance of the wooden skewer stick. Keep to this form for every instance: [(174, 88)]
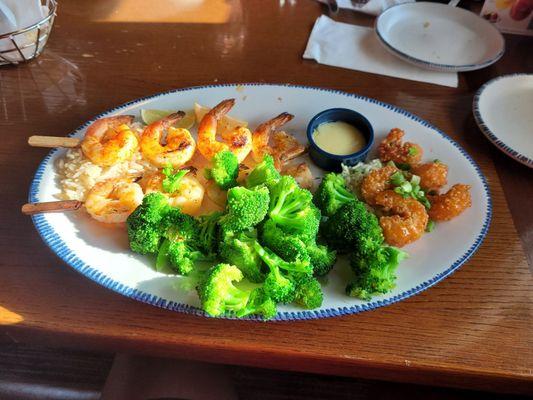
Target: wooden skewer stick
[(53, 141), (51, 206)]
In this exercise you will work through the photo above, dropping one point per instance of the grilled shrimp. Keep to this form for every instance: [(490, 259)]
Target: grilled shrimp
[(261, 136), (392, 149), (405, 221), (449, 205), (112, 200), (238, 141), (176, 148), (376, 182), (110, 140), (285, 148), (188, 197), (301, 173), (432, 175)]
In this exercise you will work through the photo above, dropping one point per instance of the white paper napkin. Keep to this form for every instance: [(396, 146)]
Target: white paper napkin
[(355, 47), (372, 7)]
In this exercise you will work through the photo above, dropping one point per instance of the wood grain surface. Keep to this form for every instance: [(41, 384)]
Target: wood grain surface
[(471, 330)]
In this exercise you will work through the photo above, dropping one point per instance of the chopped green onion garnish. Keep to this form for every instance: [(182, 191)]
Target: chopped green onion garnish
[(413, 151), (397, 178), (403, 166), (430, 226), (415, 180), (406, 187)]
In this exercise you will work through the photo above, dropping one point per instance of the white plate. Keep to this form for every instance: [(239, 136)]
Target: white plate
[(102, 254), (439, 37), (503, 110)]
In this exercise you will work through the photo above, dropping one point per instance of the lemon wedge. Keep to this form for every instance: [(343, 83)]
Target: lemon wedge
[(150, 116), (225, 125)]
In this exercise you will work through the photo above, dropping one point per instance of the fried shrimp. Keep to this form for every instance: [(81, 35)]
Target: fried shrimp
[(261, 136), (376, 182), (432, 175), (175, 148), (238, 140), (113, 200), (110, 140), (188, 197), (449, 205), (392, 149), (405, 221)]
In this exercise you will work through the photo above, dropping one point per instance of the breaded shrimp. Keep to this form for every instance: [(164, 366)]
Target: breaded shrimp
[(406, 218), (110, 140), (432, 175), (376, 182), (238, 141), (261, 135), (176, 148), (449, 205), (188, 197), (392, 149), (113, 200)]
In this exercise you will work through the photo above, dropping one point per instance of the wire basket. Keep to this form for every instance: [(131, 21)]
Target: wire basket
[(27, 43)]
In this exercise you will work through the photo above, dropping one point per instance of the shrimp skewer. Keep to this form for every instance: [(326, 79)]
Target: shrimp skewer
[(175, 148), (238, 141), (407, 220), (113, 200), (188, 197), (261, 135), (110, 140)]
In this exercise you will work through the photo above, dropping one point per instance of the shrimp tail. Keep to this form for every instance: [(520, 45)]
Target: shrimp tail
[(274, 123), (171, 119), (222, 108)]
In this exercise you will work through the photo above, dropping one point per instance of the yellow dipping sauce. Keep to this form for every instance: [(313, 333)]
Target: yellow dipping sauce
[(339, 138)]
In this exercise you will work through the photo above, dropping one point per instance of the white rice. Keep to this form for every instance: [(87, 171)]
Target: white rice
[(77, 174)]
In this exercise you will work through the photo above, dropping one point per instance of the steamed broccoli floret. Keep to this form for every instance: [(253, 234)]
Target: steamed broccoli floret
[(224, 170), (308, 292), (238, 248), (374, 271), (322, 259), (144, 230), (352, 228), (292, 210), (207, 235), (271, 259), (181, 256), (245, 208), (263, 173), (289, 247), (181, 247), (219, 295), (332, 194), (259, 303)]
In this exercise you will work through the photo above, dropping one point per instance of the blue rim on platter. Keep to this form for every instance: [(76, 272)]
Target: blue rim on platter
[(490, 134), (432, 65), (58, 246)]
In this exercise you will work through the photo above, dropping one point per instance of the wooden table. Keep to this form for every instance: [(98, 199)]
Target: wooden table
[(472, 330)]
